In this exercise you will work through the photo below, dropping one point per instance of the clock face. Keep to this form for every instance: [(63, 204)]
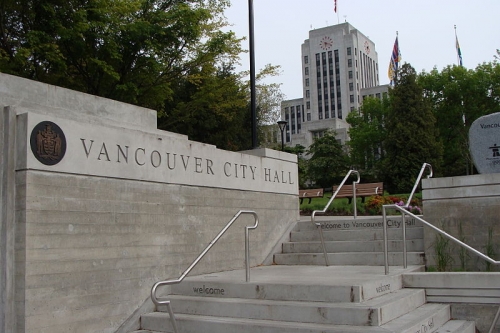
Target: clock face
[(367, 48), (326, 43)]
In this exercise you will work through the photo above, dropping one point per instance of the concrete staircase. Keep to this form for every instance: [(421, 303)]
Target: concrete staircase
[(300, 294), (352, 242)]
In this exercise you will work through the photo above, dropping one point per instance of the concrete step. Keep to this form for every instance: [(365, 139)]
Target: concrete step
[(349, 258), (374, 312), (361, 223), (412, 245), (427, 318), (285, 286), (457, 326), (360, 234), (208, 324)]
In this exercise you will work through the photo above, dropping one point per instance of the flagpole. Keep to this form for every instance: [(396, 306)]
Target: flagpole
[(456, 45), (397, 63), (336, 11)]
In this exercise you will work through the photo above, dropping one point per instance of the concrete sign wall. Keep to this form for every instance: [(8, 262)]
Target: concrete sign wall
[(152, 156), (100, 210)]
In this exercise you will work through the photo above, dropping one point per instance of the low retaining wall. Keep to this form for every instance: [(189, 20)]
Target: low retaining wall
[(123, 208), (467, 208), (472, 296)]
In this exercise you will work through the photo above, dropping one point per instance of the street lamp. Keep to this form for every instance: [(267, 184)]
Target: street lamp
[(282, 125)]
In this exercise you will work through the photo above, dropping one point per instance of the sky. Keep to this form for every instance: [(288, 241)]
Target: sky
[(425, 29)]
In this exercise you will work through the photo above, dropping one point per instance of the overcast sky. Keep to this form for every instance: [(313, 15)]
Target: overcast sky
[(425, 27)]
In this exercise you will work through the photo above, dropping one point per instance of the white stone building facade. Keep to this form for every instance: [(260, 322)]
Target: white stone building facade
[(338, 64)]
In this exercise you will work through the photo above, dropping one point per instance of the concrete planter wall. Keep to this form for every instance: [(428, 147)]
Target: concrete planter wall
[(471, 203)]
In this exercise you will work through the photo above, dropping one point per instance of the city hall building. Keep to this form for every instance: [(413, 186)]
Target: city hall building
[(339, 68)]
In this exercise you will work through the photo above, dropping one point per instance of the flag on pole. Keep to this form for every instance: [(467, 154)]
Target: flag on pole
[(335, 5), (394, 63), (459, 52)]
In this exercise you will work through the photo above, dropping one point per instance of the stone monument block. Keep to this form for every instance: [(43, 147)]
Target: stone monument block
[(484, 140)]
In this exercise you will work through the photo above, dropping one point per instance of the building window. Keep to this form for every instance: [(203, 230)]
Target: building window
[(308, 105), (348, 51), (307, 82), (352, 108), (349, 62), (308, 117), (377, 95), (306, 59), (351, 98), (350, 74), (351, 86), (306, 70), (318, 134), (308, 94)]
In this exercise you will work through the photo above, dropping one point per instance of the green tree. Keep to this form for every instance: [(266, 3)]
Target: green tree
[(128, 50), (412, 138), (329, 162), (302, 162), (458, 97), (210, 106), (367, 135)]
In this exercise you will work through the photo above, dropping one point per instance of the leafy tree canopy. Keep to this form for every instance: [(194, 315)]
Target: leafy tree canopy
[(367, 135), (129, 50), (412, 138), (329, 162)]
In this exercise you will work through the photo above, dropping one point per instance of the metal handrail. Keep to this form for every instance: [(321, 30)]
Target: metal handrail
[(404, 212), (313, 215), (163, 301), (424, 166)]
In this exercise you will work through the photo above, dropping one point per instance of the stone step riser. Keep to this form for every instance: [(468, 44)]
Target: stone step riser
[(198, 324), (278, 292), (355, 259), (426, 319), (457, 326), (413, 245), (359, 224), (360, 235), (374, 313), (429, 321)]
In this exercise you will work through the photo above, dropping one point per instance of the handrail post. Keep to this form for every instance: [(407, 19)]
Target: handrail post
[(405, 254), (386, 247), (354, 199), (247, 245), (313, 215)]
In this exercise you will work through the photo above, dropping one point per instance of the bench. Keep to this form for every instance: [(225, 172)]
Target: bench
[(311, 193), (362, 190)]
